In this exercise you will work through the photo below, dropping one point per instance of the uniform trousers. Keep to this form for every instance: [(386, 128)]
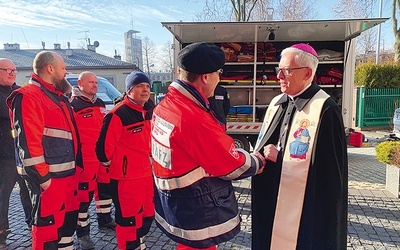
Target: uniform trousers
[(55, 213), (102, 196), (134, 210), (86, 189), (8, 178)]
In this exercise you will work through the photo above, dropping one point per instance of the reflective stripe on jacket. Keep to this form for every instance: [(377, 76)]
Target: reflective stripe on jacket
[(47, 138), (193, 163), (125, 141)]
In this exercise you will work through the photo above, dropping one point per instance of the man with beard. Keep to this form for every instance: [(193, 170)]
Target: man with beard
[(49, 149)]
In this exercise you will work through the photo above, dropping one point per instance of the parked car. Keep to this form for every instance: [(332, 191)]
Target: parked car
[(106, 91)]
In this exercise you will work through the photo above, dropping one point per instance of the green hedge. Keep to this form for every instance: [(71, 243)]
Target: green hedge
[(371, 75)]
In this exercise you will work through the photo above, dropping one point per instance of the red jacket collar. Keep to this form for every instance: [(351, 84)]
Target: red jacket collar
[(36, 79), (131, 104)]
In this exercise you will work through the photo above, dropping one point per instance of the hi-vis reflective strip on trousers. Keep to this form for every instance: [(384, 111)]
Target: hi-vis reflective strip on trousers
[(199, 234), (103, 206), (294, 177)]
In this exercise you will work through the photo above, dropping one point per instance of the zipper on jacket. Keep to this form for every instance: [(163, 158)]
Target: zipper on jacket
[(124, 165)]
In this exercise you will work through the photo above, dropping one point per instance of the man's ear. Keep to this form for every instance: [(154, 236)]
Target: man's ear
[(50, 68), (204, 78), (308, 74)]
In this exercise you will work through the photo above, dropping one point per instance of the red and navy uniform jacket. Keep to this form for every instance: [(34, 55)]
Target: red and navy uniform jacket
[(124, 141), (89, 116), (194, 162), (48, 142)]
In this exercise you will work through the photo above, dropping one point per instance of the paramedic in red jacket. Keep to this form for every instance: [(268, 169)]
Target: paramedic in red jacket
[(89, 111), (124, 145), (49, 151), (194, 160)]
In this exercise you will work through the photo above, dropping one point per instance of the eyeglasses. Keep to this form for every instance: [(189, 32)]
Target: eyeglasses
[(10, 71), (220, 71), (287, 71)]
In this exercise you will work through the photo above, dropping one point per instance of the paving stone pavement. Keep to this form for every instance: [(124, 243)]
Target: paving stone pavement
[(373, 213)]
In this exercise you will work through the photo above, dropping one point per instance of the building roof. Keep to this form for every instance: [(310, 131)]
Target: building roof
[(74, 59)]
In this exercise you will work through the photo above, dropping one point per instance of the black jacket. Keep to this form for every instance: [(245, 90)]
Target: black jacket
[(6, 140), (220, 103)]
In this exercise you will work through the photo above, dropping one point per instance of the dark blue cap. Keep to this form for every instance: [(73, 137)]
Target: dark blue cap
[(134, 78)]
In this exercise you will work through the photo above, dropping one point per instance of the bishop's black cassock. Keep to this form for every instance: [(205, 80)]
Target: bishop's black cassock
[(323, 222)]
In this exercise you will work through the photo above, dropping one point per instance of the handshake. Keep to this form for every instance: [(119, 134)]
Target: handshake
[(270, 153)]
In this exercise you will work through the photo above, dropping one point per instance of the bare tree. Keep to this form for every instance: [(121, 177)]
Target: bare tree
[(149, 54), (214, 11), (294, 10), (232, 10), (167, 57), (256, 10), (242, 9), (366, 42), (396, 31), (354, 8)]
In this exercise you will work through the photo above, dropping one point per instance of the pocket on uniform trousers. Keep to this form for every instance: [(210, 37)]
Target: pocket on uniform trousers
[(51, 199)]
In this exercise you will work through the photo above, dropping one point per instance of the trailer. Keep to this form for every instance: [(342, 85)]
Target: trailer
[(252, 51)]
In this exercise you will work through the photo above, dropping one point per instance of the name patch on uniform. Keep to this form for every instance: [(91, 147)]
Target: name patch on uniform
[(160, 146), (136, 129), (162, 130), (161, 154), (219, 97)]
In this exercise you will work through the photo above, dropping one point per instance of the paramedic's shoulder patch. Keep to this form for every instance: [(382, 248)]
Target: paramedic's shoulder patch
[(233, 151)]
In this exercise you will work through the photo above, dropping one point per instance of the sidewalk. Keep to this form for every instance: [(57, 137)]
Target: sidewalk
[(373, 213)]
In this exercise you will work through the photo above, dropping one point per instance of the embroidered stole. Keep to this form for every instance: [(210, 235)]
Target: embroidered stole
[(295, 166)]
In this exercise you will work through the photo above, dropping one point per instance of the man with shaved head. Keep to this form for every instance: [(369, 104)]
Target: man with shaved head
[(89, 111), (49, 149)]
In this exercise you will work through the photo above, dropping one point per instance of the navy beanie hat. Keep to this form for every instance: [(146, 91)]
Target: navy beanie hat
[(201, 58), (134, 78)]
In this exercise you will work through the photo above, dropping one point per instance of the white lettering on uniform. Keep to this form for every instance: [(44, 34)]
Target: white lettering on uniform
[(161, 133), (219, 97), (161, 154)]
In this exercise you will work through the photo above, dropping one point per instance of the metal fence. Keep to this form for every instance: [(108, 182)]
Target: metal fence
[(375, 107)]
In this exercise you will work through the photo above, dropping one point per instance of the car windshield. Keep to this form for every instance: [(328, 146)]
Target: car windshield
[(106, 92)]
